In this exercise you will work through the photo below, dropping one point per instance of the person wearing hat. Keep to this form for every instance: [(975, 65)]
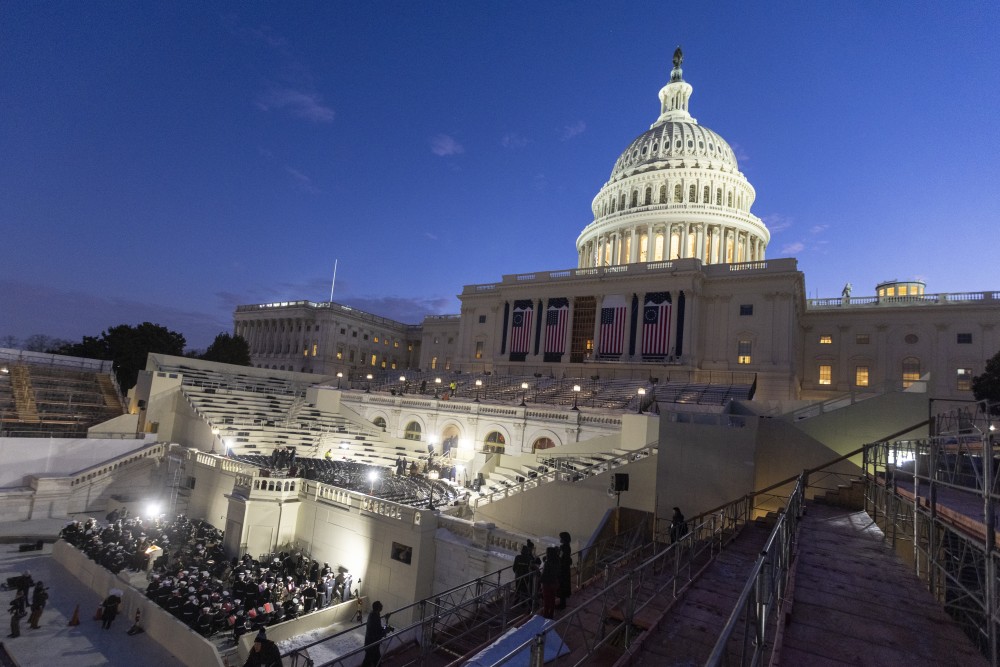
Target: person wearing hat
[(374, 632), (264, 653), (39, 597)]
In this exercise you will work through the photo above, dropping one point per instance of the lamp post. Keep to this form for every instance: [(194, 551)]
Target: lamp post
[(479, 384), (340, 376), (524, 393), (372, 476), (402, 384), (368, 386), (638, 401), (437, 386), (215, 436), (576, 393)]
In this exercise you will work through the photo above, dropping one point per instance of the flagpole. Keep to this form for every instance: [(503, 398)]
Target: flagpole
[(334, 279)]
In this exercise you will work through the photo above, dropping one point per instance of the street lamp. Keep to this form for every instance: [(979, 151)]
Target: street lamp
[(479, 384), (576, 393), (368, 387), (402, 384), (437, 386), (215, 436), (638, 402), (524, 393), (372, 477), (340, 376)]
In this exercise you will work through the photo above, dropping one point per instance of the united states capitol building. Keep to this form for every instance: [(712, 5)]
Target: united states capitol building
[(676, 364), (673, 282)]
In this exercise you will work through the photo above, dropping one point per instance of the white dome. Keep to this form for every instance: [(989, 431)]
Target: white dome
[(675, 192)]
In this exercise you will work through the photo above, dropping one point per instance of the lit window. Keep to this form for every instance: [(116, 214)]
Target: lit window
[(305, 352), (375, 339), (890, 291), (964, 339), (315, 348), (479, 349), (746, 309), (862, 339), (395, 343), (861, 376), (447, 364), (412, 431), (964, 379), (434, 363), (825, 374), (385, 341), (340, 353), (374, 360), (743, 355), (911, 371), (826, 340), (902, 290), (410, 347)]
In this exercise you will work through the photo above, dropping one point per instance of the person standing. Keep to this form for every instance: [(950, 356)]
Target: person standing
[(109, 610), (374, 632), (265, 653), (678, 525), (565, 568), (18, 610), (550, 582), (39, 596)]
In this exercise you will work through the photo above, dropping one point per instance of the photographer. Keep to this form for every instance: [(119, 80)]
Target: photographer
[(374, 632)]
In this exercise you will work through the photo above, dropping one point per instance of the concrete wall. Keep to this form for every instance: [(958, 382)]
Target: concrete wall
[(334, 614), (576, 507), (705, 464), (174, 636), (56, 456)]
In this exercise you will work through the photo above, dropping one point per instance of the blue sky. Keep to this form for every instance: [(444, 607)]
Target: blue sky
[(167, 161)]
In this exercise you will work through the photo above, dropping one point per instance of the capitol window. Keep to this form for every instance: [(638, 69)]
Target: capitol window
[(964, 377), (718, 197), (693, 193), (635, 199), (649, 196), (706, 197), (746, 309), (663, 194), (825, 374), (911, 371), (964, 339), (862, 339), (861, 376), (743, 349), (826, 339), (677, 193)]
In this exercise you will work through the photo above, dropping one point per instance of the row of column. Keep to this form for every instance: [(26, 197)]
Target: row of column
[(265, 336), (721, 245)]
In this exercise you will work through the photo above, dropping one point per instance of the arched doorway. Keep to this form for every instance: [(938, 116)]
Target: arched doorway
[(494, 443)]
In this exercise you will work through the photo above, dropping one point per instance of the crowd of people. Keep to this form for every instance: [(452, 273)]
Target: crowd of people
[(194, 581)]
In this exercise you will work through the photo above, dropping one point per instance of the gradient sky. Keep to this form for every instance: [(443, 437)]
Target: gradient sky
[(167, 161)]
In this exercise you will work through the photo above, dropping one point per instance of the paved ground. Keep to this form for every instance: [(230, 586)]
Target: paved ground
[(55, 642)]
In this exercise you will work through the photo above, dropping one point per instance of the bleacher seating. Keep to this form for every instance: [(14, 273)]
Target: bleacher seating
[(48, 400)]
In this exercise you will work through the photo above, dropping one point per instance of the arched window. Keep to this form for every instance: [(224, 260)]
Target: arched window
[(380, 422), (649, 196), (718, 197), (658, 248), (612, 205), (412, 431), (678, 193), (729, 199), (693, 193), (542, 443), (706, 196), (494, 442), (911, 371), (635, 199), (621, 204), (663, 194)]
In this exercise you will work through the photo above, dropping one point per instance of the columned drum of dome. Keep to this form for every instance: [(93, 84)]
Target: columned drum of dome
[(676, 192)]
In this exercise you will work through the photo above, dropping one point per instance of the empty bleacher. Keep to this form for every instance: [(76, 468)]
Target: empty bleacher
[(54, 399)]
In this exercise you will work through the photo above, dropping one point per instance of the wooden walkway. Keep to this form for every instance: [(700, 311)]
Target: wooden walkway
[(856, 603)]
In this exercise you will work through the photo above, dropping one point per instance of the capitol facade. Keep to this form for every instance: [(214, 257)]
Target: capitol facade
[(672, 283)]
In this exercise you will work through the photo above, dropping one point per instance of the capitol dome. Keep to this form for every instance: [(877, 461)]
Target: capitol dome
[(675, 192)]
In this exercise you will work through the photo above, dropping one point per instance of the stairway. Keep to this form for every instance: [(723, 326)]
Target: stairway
[(24, 394), (110, 394)]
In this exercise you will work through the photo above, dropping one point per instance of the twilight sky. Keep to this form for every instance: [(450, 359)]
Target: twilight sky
[(167, 161)]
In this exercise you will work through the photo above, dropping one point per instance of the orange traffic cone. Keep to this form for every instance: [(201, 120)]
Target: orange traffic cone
[(76, 617)]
